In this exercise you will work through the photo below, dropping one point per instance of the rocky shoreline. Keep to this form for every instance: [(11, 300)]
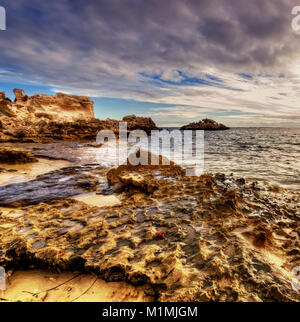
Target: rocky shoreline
[(45, 118), (207, 238), (16, 157)]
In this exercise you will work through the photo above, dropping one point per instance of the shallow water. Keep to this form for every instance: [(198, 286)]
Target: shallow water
[(262, 154), (24, 172)]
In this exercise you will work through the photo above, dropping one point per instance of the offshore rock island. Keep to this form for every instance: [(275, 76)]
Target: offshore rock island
[(206, 125), (159, 234)]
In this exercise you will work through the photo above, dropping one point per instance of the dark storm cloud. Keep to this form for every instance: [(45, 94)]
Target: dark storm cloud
[(148, 33), (103, 47)]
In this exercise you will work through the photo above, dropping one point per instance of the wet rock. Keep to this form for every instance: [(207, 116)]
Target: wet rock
[(220, 177), (108, 190), (142, 177), (241, 181), (24, 230), (16, 157), (55, 185), (212, 250), (39, 244)]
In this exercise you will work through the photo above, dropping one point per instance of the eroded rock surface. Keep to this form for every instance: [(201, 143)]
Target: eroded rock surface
[(145, 176), (62, 106), (137, 122), (208, 238), (15, 156), (46, 118)]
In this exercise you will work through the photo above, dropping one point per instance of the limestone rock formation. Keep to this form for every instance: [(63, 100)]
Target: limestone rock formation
[(44, 118), (64, 107), (20, 95), (15, 157), (144, 177), (2, 96), (194, 239), (205, 124), (137, 122)]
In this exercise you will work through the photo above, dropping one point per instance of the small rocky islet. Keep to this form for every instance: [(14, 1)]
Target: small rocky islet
[(206, 238), (205, 125)]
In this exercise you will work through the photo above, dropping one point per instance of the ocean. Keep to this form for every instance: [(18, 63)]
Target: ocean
[(262, 154), (259, 154)]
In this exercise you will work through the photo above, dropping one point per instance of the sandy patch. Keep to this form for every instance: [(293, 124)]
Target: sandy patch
[(93, 199), (43, 286), (29, 171)]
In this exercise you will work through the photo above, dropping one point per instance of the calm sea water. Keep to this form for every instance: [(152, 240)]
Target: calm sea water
[(260, 154), (270, 154)]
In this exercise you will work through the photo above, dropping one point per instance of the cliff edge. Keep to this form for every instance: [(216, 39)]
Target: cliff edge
[(62, 107), (44, 118)]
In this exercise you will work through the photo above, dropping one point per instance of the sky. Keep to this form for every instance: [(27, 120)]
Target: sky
[(177, 61)]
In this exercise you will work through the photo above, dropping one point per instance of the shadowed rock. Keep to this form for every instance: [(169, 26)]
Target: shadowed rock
[(137, 122), (16, 157), (55, 185), (206, 125)]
